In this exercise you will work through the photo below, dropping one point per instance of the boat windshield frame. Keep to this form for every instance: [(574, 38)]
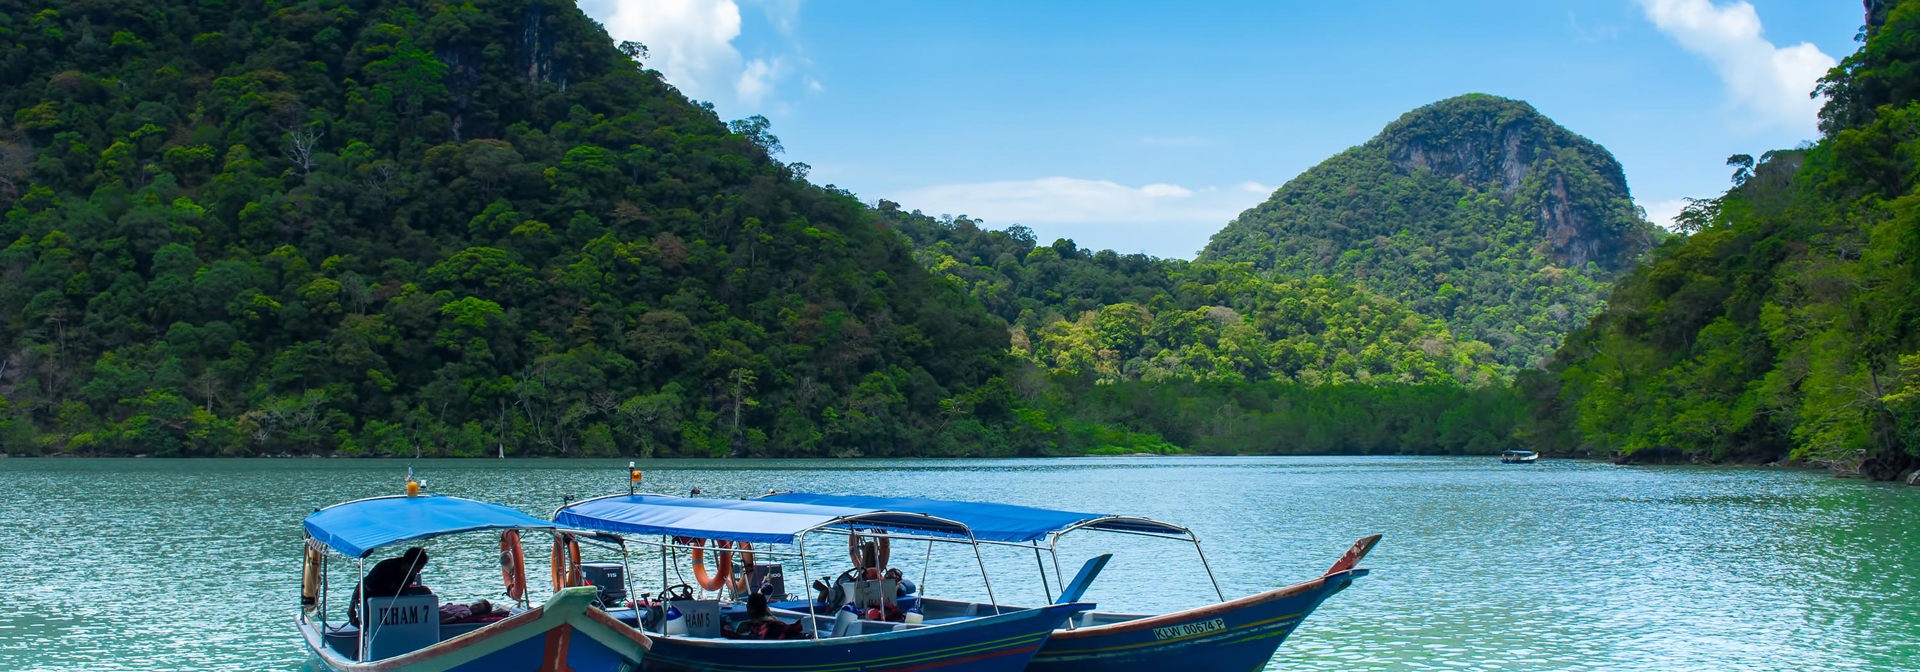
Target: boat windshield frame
[(848, 523), (1090, 522)]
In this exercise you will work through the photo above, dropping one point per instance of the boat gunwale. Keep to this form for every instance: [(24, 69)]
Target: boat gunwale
[(316, 640), (1203, 611)]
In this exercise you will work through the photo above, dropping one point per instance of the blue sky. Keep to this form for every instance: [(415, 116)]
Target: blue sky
[(1147, 126)]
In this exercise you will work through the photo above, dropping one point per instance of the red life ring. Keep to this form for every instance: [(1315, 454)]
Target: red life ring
[(739, 583), (724, 563), (566, 562), (513, 565)]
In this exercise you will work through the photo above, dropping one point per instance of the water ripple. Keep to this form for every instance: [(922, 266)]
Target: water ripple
[(163, 565)]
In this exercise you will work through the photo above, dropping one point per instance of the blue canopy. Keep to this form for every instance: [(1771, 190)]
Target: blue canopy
[(357, 528), (991, 522), (754, 521)]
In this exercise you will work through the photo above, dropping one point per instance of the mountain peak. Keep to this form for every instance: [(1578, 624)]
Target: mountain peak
[(1457, 207)]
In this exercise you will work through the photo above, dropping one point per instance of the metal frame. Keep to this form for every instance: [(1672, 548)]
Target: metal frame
[(831, 526), (360, 563), (1053, 547)]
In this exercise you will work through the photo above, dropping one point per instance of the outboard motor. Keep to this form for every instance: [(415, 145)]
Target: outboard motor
[(768, 578), (610, 578)]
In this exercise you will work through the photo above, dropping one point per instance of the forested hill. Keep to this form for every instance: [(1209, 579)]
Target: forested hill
[(1477, 210), (1115, 318), (1785, 323), (384, 227)]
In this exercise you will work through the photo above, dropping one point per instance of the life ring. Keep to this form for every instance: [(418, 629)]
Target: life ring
[(310, 576), (513, 565), (882, 552), (724, 564), (739, 582), (566, 561)]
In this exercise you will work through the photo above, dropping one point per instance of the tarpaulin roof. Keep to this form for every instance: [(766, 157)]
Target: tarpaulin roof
[(357, 528), (755, 521), (991, 522)]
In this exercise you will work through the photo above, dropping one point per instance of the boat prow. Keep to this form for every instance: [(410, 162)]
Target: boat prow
[(564, 633), (1240, 634)]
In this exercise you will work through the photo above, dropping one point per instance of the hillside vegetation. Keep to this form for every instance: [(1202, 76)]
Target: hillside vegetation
[(1119, 317), (1787, 323), (372, 227), (1216, 358), (1476, 210)]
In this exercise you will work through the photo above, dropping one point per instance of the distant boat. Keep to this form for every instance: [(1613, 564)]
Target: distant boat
[(1518, 457)]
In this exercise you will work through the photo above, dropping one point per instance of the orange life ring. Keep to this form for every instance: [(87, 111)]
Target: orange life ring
[(513, 565), (566, 561), (739, 582), (882, 552), (310, 576), (724, 564)]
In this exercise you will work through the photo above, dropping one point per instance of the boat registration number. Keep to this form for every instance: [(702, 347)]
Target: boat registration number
[(1189, 629)]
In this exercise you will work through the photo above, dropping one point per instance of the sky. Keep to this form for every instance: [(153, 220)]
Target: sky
[(1148, 126)]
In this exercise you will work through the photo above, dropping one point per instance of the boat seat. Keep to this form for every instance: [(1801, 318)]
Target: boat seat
[(846, 624), (344, 640), (702, 616), (400, 625), (865, 592)]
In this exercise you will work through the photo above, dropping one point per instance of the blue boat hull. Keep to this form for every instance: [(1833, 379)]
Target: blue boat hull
[(563, 635), (1241, 634), (1003, 643)]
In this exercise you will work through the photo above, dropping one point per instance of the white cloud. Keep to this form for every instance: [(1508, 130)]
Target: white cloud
[(1076, 200), (783, 14), (1163, 219), (1663, 212), (758, 79), (689, 41), (815, 86), (1770, 83), (1253, 187)]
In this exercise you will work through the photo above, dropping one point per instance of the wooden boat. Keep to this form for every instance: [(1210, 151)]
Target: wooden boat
[(1238, 634), (1518, 457), (983, 637), (404, 633)]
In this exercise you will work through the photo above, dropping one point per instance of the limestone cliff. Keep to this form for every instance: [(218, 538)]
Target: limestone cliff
[(1476, 209)]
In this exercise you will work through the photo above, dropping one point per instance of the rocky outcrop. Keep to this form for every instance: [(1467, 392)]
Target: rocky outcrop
[(1506, 146), (1477, 210)]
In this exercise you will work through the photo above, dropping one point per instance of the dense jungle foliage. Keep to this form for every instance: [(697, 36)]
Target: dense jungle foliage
[(1217, 359), (1476, 210), (370, 227), (1787, 323), (361, 227), (1117, 317)]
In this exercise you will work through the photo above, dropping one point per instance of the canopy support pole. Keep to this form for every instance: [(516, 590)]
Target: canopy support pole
[(984, 579), (925, 564), (1203, 564), (359, 569), (801, 543), (1037, 562)]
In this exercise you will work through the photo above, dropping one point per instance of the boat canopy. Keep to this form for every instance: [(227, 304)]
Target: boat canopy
[(752, 520), (357, 528), (993, 522)]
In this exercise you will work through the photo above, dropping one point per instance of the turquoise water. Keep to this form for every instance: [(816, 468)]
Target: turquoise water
[(193, 565)]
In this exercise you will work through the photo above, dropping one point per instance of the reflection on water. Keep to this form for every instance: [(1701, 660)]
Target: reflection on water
[(147, 565)]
